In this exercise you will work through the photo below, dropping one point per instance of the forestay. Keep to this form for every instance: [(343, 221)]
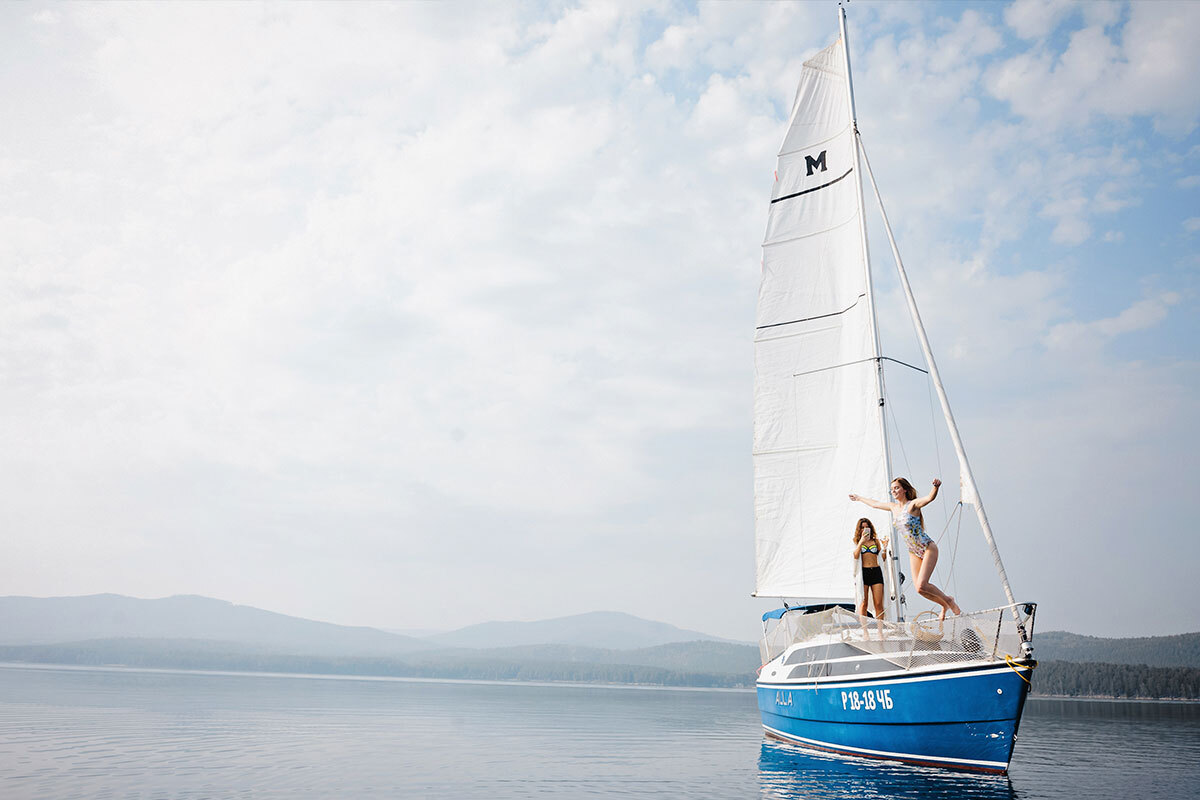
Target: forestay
[(817, 430)]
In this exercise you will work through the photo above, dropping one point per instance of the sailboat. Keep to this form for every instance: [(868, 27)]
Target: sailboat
[(940, 692)]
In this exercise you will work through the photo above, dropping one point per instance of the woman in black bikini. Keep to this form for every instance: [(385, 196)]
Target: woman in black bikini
[(869, 548)]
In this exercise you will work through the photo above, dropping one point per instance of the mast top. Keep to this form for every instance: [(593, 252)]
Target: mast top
[(849, 77)]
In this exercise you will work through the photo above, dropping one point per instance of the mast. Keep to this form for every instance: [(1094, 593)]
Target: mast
[(966, 477), (897, 599)]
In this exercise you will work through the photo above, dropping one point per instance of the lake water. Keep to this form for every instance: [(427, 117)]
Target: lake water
[(75, 733)]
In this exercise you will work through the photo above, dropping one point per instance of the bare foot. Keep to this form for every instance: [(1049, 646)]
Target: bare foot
[(949, 606)]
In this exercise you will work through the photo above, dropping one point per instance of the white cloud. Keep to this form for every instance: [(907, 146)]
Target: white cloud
[(313, 271), (1191, 224), (676, 48), (396, 298), (47, 16), (935, 126), (982, 318), (1138, 316), (1147, 71), (1031, 19)]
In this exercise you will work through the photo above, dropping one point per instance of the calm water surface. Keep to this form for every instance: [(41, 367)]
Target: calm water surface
[(114, 734)]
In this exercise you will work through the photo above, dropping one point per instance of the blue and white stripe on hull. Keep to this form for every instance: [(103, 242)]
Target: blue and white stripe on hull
[(909, 758), (965, 718)]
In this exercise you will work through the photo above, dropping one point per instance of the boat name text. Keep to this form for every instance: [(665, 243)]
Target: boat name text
[(870, 700)]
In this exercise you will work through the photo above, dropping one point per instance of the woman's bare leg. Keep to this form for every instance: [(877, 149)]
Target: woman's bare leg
[(877, 597), (922, 570)]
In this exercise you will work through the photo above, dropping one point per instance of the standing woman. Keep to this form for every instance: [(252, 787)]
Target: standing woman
[(870, 549), (922, 551)]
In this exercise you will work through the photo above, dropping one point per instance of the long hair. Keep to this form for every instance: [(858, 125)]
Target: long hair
[(909, 492), (858, 529)]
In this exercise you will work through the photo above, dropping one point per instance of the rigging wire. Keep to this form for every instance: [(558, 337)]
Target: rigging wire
[(859, 589), (937, 444), (950, 577), (954, 555), (951, 582), (895, 427), (896, 588)]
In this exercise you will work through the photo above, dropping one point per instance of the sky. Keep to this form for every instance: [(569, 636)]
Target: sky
[(420, 315)]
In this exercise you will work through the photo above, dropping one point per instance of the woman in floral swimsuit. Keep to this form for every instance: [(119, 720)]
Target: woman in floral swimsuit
[(922, 550)]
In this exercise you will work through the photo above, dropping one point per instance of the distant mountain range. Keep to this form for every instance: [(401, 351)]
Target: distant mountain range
[(52, 620), (603, 629), (190, 632)]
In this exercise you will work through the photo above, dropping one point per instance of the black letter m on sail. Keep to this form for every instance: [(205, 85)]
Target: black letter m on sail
[(813, 163)]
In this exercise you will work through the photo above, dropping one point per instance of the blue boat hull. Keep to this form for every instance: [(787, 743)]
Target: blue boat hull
[(963, 719)]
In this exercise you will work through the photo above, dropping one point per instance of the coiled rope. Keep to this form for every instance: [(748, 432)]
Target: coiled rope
[(1014, 667)]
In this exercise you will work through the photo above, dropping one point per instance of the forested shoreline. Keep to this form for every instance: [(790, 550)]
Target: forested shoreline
[(659, 667), (205, 656), (1127, 681)]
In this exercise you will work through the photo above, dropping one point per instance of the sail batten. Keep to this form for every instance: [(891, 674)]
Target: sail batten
[(817, 434)]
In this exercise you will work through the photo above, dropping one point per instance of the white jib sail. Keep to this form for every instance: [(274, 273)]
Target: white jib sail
[(817, 433)]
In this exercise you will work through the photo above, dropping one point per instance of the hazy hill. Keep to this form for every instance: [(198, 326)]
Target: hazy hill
[(1182, 650), (601, 629), (48, 620), (194, 654)]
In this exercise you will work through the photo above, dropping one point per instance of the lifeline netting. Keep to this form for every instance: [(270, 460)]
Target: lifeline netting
[(991, 635)]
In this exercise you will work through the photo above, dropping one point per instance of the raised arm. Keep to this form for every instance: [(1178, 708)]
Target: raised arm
[(871, 503), (927, 499)]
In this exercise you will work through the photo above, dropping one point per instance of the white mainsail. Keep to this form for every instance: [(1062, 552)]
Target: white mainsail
[(817, 426)]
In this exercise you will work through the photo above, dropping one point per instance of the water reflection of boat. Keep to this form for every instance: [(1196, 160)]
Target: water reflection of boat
[(946, 693), (788, 772)]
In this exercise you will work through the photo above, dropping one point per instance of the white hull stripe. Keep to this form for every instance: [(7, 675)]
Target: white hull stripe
[(843, 748), (808, 683)]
